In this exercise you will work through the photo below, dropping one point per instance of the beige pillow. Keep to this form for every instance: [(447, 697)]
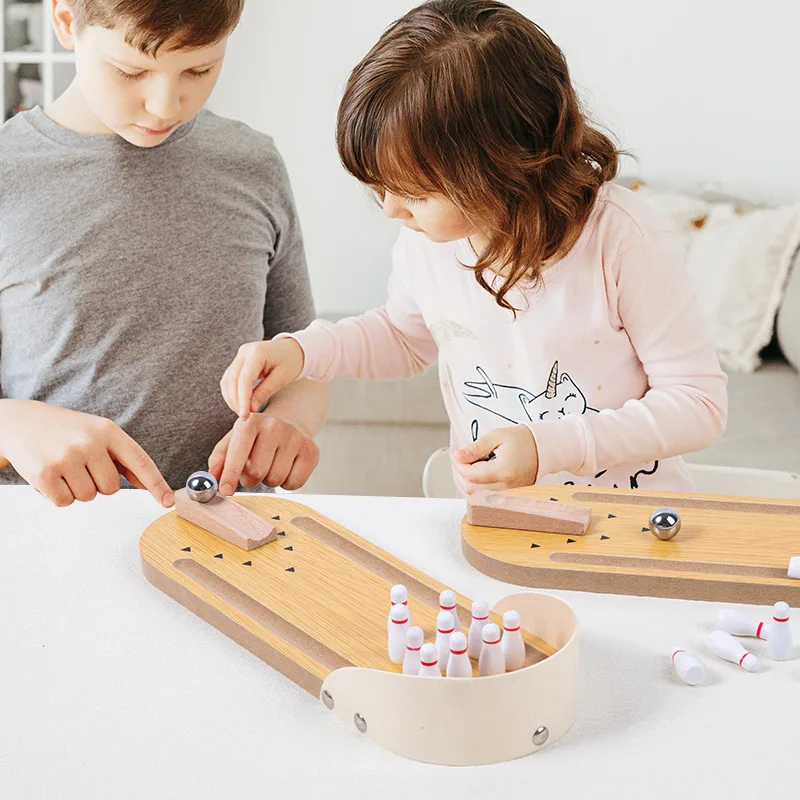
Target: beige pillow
[(789, 317), (739, 259)]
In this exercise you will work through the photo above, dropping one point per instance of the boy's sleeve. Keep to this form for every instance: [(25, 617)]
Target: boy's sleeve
[(685, 407), (391, 342), (289, 305)]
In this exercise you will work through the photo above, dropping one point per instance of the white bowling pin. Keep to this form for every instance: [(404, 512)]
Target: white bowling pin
[(739, 624), (689, 669), (492, 661), (794, 568), (447, 602), (458, 665), (480, 617), (512, 644), (414, 641), (444, 630), (429, 662), (399, 595), (780, 644), (396, 630), (725, 646)]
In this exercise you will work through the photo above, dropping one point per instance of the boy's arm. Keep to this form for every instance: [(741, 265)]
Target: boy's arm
[(304, 404), (685, 407)]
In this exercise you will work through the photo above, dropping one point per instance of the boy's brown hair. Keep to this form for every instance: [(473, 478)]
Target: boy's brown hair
[(471, 100), (150, 25)]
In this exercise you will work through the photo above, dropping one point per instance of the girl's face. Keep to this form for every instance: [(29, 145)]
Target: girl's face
[(436, 217)]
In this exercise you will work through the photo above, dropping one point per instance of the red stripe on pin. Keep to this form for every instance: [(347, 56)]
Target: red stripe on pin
[(743, 658), (511, 630), (758, 630), (428, 663), (676, 653), (413, 649), (439, 630), (458, 652), (480, 619), (400, 621), (785, 619)]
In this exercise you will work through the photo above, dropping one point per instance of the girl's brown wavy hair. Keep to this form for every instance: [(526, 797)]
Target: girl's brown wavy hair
[(470, 100)]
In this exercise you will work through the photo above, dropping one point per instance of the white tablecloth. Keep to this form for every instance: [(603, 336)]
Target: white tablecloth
[(111, 690)]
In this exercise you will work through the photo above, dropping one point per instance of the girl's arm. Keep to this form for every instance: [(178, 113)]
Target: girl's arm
[(685, 408), (389, 342)]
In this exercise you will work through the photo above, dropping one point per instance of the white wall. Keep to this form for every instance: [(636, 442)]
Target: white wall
[(702, 93)]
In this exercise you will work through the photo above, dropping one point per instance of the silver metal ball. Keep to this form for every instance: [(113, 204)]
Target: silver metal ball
[(201, 487), (664, 523)]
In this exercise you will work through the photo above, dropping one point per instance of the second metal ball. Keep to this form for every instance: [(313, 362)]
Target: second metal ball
[(664, 523)]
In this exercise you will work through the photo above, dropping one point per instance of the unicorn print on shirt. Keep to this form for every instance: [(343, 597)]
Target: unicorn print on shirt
[(562, 397)]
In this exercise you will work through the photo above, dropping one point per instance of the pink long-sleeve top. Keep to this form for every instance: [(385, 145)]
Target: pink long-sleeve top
[(609, 362)]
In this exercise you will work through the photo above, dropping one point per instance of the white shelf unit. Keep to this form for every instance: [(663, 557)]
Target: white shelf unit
[(55, 66)]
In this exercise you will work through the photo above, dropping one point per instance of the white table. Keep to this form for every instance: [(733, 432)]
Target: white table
[(111, 690)]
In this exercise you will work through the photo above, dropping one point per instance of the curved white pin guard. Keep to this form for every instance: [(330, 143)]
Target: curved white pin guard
[(470, 721)]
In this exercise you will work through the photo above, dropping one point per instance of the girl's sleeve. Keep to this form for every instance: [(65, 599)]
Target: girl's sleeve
[(685, 408), (388, 342)]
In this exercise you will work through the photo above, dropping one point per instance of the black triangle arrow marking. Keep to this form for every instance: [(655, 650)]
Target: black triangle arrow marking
[(247, 564), (535, 545), (277, 518), (644, 530), (186, 550), (289, 548), (554, 499), (570, 541), (281, 533), (604, 537), (218, 555), (291, 569), (612, 516)]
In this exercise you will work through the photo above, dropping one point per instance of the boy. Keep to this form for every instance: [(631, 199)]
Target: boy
[(142, 241)]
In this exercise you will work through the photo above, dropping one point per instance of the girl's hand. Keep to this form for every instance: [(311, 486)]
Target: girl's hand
[(274, 364), (67, 455), (263, 448), (515, 462)]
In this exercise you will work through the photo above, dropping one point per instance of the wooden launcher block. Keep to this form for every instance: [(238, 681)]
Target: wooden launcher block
[(227, 519), (518, 512)]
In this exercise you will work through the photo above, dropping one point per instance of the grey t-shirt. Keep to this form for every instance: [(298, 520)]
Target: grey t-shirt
[(129, 277)]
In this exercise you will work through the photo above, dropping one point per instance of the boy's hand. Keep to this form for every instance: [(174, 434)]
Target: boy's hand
[(275, 364), (67, 455), (263, 448), (516, 461)]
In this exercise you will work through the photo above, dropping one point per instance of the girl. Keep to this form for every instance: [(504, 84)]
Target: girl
[(571, 347)]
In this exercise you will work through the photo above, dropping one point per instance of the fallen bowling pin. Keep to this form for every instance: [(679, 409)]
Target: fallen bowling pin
[(794, 568), (512, 644), (458, 665), (480, 618), (447, 602), (414, 641), (738, 623), (780, 644), (429, 662), (689, 669), (396, 627), (725, 646), (492, 661), (444, 630)]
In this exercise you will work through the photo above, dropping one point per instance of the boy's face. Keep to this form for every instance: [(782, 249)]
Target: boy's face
[(438, 218), (138, 97)]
